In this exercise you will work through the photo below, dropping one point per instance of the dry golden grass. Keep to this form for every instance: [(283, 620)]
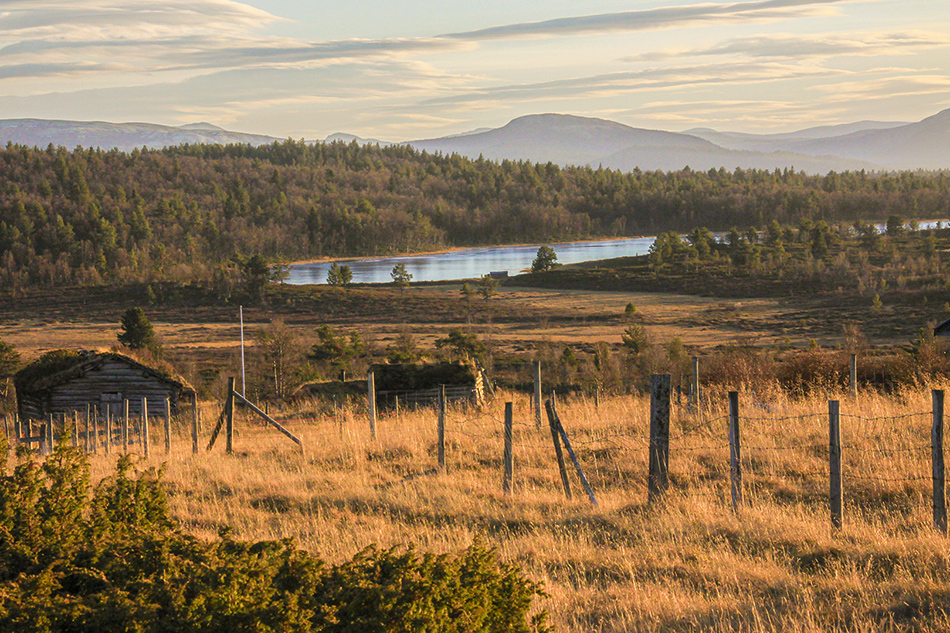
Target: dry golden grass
[(684, 564)]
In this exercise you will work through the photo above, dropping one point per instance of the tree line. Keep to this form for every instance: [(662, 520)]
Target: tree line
[(202, 212)]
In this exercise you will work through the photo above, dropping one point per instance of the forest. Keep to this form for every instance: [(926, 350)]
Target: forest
[(211, 213)]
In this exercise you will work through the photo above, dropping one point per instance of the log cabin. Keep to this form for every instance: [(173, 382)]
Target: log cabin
[(65, 382)]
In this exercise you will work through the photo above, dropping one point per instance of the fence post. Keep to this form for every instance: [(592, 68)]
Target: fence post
[(939, 481), (854, 375), (229, 420), (108, 428), (442, 428), (694, 385), (17, 427), (87, 427), (144, 431), (371, 401), (658, 480), (552, 410), (834, 455), (168, 426), (509, 453), (194, 424), (125, 425), (42, 447), (735, 454), (597, 397), (549, 405), (6, 427), (95, 430), (536, 365), (75, 430)]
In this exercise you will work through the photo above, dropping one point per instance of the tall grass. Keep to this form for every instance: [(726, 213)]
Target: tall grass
[(688, 562)]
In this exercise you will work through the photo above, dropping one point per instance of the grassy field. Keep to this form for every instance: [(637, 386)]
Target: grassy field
[(686, 563)]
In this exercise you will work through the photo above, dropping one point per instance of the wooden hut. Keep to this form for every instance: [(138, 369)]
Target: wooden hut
[(64, 382)]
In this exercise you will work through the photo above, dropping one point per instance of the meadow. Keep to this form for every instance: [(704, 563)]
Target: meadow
[(684, 563)]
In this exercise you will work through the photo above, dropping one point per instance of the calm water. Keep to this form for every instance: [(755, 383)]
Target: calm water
[(470, 262)]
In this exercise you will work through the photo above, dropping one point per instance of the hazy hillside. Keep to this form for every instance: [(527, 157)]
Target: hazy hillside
[(574, 140), (122, 136)]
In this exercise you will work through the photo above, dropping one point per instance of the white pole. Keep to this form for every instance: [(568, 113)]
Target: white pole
[(241, 315)]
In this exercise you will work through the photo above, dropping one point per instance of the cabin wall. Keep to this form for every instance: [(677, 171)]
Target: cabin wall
[(107, 386)]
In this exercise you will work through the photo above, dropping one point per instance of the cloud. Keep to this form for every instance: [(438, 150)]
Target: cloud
[(663, 17), (887, 87), (612, 84), (809, 46)]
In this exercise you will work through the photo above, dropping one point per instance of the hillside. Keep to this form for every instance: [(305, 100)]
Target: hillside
[(573, 140), (122, 136)]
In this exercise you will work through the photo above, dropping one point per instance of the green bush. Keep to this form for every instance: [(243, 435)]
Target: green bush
[(110, 559)]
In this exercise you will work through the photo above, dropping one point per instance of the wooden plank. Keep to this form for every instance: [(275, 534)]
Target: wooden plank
[(168, 427), (268, 419), (854, 375), (144, 431)]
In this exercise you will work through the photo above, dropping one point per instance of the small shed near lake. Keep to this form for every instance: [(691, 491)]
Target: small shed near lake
[(65, 382)]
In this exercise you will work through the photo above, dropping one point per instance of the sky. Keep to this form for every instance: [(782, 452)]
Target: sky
[(415, 69)]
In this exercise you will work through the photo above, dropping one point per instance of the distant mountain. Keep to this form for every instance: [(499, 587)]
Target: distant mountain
[(122, 136), (574, 140), (349, 138), (779, 142)]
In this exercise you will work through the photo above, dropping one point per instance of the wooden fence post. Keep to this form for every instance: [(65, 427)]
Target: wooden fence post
[(658, 480), (735, 454), (694, 385), (549, 405), (939, 481), (144, 430), (371, 401), (6, 427), (854, 375), (194, 424), (75, 435), (125, 425), (17, 427), (95, 430), (536, 365), (229, 421), (597, 397), (108, 429), (834, 454), (509, 453), (42, 447), (441, 429), (168, 426), (87, 427)]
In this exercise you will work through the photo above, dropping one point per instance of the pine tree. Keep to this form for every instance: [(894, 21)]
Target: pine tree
[(137, 331)]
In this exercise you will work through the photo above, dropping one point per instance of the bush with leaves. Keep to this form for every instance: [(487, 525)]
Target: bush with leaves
[(111, 560)]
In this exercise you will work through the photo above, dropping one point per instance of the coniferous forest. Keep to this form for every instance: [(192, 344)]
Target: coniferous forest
[(200, 213)]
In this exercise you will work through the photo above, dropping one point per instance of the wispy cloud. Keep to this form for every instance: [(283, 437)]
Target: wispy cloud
[(614, 84), (809, 46), (663, 17)]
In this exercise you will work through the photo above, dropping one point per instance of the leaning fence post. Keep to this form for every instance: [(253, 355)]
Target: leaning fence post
[(536, 365), (834, 458), (552, 422), (442, 428), (939, 481), (144, 430), (570, 451), (509, 453), (371, 401), (735, 454), (168, 427), (658, 480)]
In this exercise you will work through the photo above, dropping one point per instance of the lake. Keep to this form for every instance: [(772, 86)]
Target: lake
[(469, 263)]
